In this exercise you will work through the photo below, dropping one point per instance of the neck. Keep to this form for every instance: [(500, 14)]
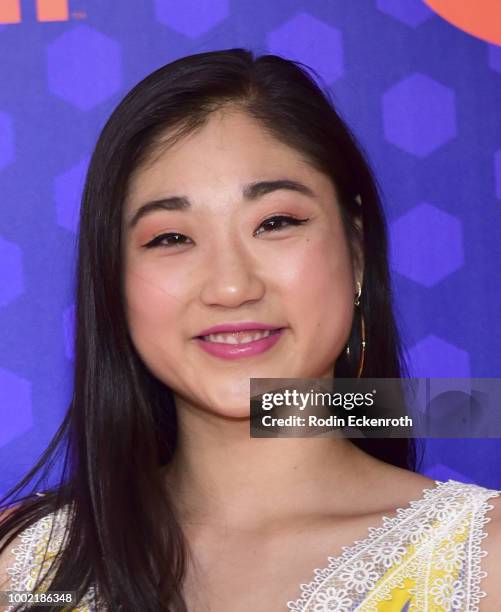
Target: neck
[(219, 475)]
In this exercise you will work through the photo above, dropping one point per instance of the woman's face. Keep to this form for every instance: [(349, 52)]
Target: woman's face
[(231, 257)]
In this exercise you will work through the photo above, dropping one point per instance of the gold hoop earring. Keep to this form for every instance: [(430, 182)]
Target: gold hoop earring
[(362, 352), (359, 293), (362, 334)]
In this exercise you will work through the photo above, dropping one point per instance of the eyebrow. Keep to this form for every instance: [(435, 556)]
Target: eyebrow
[(251, 192)]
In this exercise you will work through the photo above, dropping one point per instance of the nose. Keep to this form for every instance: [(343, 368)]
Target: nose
[(232, 277)]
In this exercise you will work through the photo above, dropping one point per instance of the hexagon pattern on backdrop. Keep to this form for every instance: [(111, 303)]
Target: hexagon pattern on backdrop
[(67, 189), (311, 41), (11, 269), (411, 12), (419, 114), (421, 96), (497, 172), (495, 57), (194, 18), (427, 244), (433, 356), (83, 67), (7, 150), (15, 397)]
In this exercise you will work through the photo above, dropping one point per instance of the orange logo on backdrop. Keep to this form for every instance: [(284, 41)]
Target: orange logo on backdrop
[(481, 18), (46, 10)]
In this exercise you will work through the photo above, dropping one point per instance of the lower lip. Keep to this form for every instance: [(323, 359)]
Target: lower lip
[(236, 351)]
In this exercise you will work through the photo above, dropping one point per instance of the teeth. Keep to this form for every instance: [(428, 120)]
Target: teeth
[(237, 337)]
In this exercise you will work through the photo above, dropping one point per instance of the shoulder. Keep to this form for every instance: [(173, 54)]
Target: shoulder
[(491, 556), (7, 557), (466, 532), (461, 547), (33, 547)]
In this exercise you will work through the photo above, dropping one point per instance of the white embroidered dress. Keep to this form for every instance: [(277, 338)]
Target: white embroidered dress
[(427, 558)]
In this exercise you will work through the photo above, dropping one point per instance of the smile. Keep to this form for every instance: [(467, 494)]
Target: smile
[(233, 345), (241, 337)]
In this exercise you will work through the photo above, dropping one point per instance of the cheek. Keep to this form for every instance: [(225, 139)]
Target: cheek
[(153, 316), (152, 311), (153, 284), (318, 280)]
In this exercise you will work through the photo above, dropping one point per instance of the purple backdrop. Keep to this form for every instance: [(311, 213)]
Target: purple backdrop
[(422, 96)]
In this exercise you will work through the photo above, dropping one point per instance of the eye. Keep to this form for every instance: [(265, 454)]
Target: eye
[(278, 222), (173, 239), (159, 239)]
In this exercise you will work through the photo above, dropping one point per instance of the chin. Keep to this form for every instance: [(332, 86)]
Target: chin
[(233, 414), (227, 401)]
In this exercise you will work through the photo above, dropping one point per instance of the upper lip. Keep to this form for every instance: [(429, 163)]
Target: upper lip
[(236, 327)]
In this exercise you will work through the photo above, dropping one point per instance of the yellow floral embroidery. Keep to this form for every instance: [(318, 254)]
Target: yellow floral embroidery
[(424, 559)]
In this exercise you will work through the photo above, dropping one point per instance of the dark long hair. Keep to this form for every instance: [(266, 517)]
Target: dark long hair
[(124, 537)]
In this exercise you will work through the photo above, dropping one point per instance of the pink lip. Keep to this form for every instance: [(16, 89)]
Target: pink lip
[(235, 351), (236, 327)]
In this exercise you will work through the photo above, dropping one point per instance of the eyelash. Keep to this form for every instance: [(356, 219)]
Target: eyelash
[(291, 221)]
